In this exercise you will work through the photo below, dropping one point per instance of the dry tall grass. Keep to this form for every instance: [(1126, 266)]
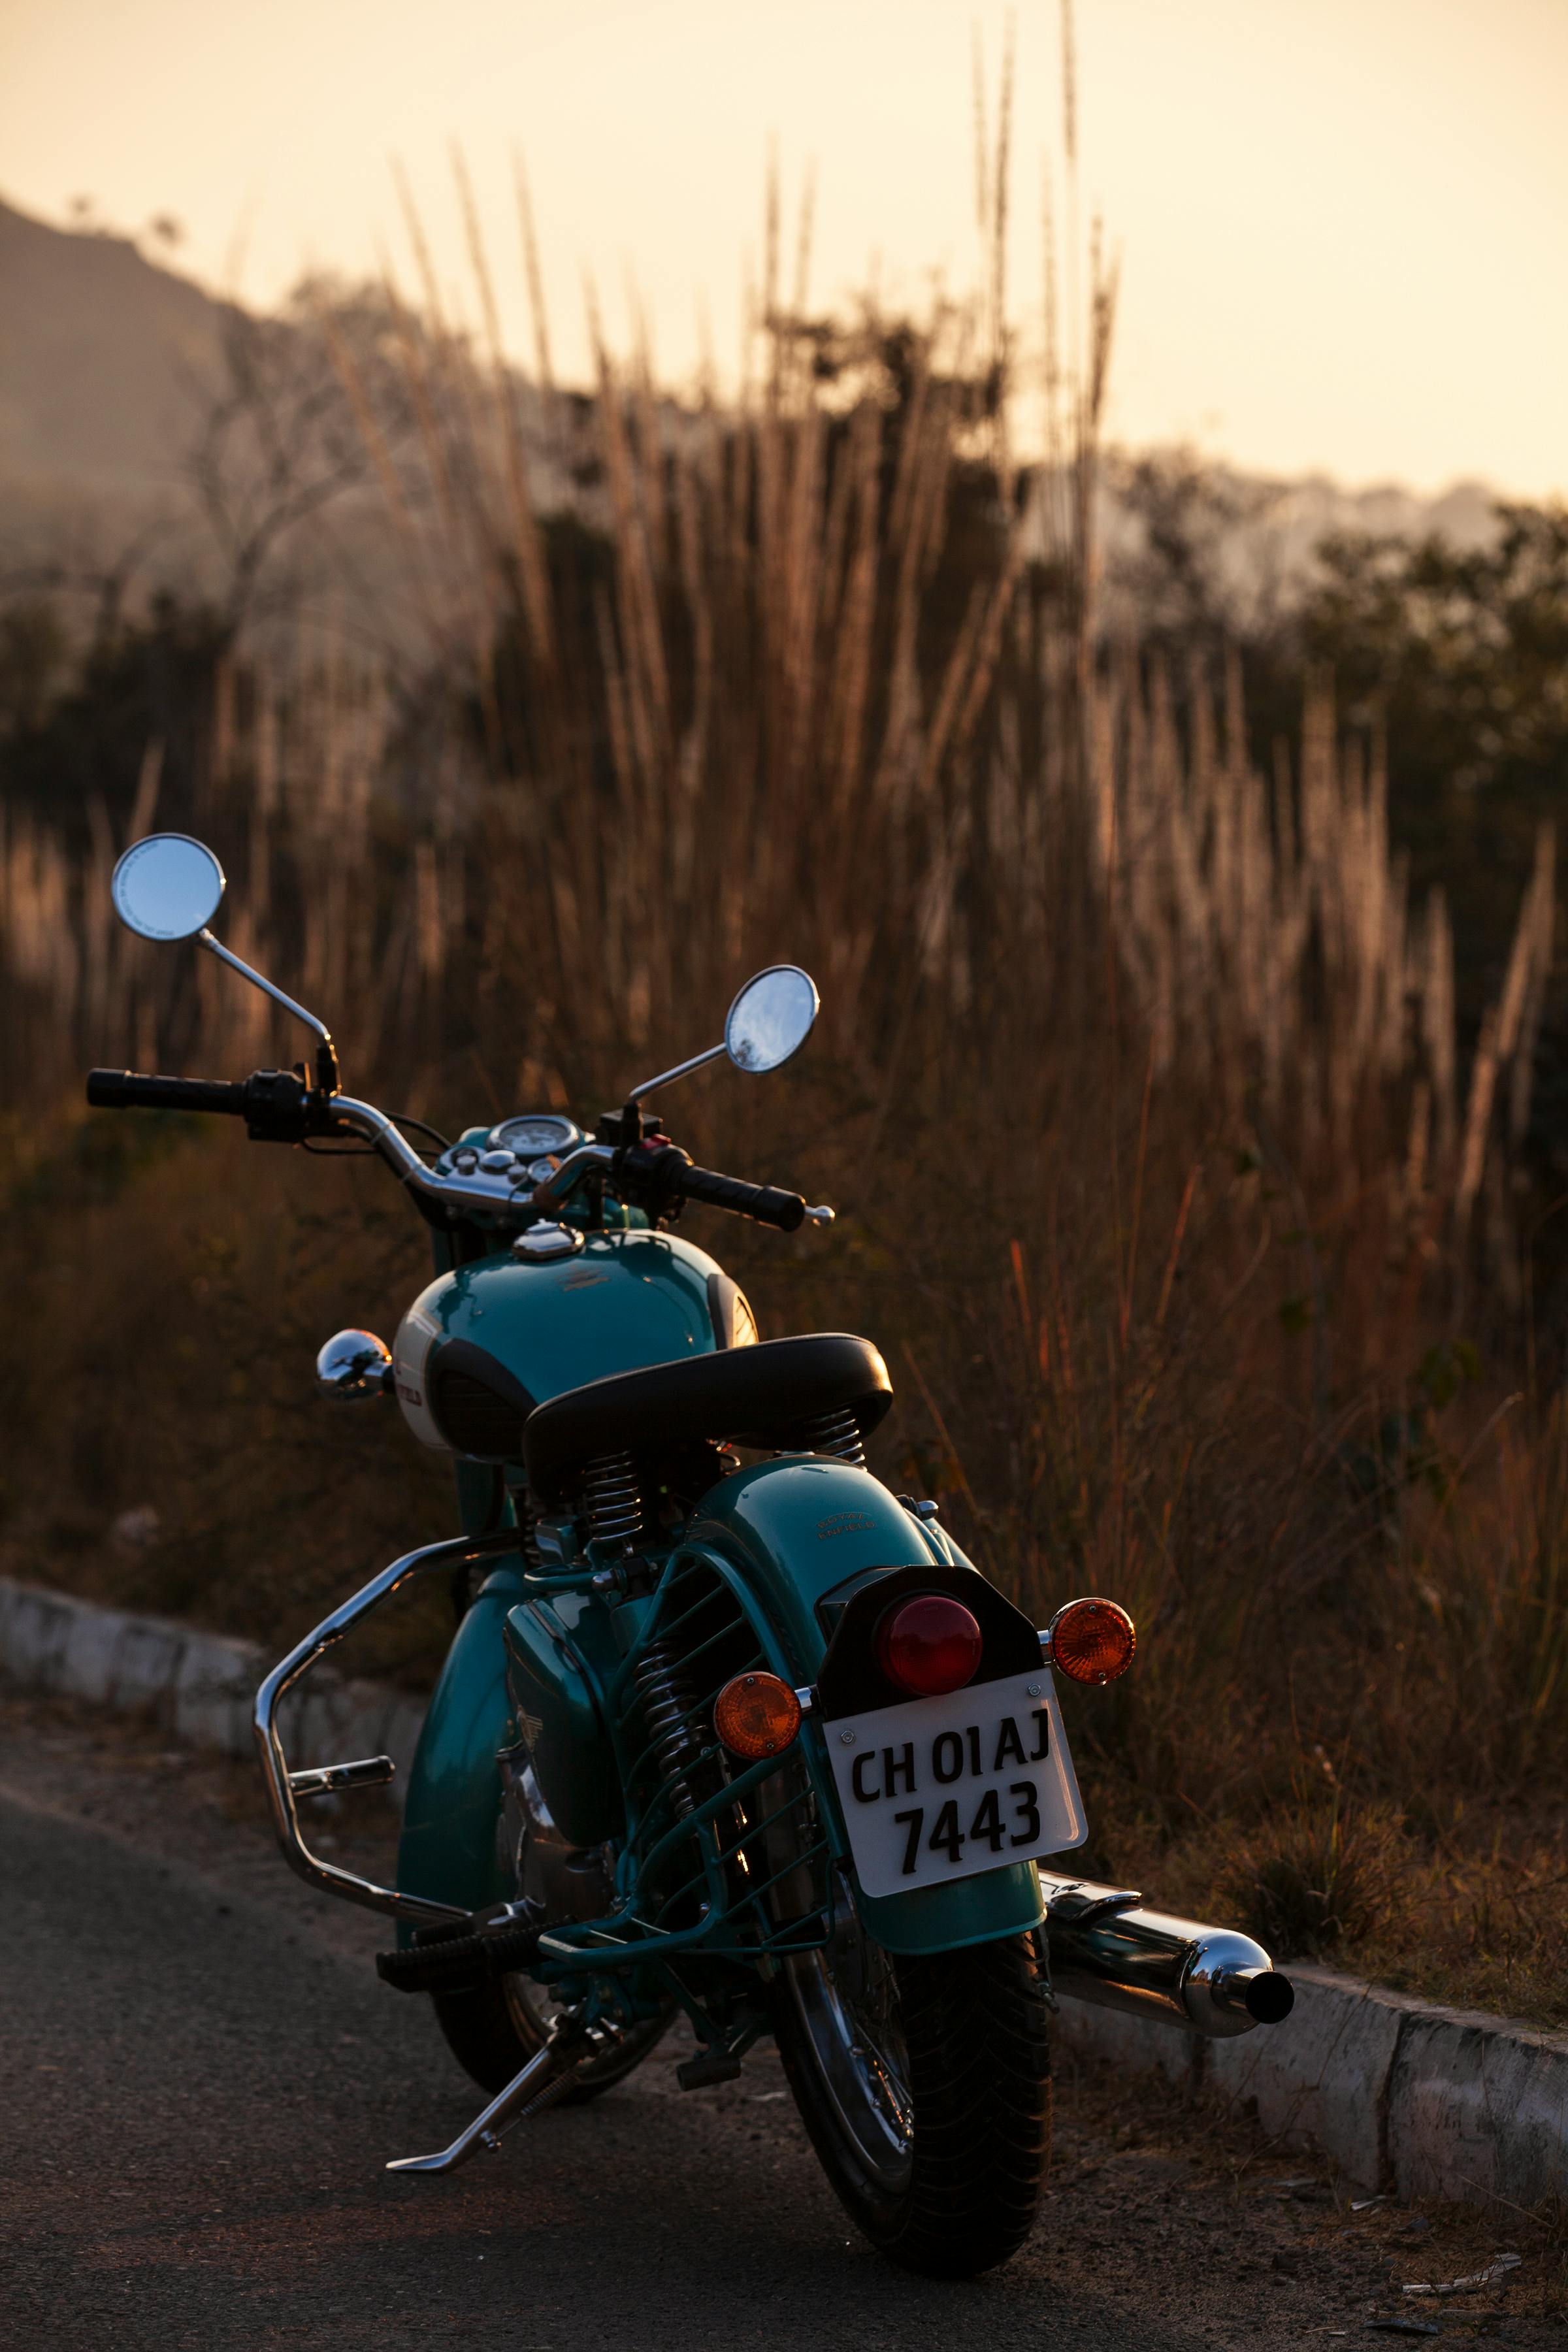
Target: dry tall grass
[(1163, 1182)]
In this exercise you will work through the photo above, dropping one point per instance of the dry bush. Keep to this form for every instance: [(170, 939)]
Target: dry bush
[(1316, 1876)]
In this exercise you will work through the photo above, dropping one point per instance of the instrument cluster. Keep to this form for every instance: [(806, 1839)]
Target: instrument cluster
[(529, 1147)]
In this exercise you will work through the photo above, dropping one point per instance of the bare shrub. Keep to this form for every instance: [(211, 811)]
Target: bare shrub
[(1315, 1877)]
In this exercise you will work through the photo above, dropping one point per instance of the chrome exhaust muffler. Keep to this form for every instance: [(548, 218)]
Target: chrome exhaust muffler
[(1105, 1948)]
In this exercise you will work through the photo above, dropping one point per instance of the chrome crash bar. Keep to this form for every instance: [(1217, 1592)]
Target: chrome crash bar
[(283, 1787)]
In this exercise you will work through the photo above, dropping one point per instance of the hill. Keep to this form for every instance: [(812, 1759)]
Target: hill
[(100, 364)]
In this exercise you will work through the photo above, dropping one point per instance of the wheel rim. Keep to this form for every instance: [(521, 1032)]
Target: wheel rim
[(846, 1997)]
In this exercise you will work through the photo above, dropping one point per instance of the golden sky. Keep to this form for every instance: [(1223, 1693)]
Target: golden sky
[(1342, 222)]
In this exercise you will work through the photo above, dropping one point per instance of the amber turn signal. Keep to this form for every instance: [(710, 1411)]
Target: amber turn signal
[(756, 1715), (1092, 1641)]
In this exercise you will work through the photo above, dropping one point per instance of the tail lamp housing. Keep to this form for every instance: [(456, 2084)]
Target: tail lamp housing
[(929, 1644)]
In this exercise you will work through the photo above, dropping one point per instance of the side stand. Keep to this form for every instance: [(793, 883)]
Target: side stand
[(541, 2082)]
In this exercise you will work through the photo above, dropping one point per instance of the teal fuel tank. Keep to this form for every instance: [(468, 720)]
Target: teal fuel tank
[(480, 1347)]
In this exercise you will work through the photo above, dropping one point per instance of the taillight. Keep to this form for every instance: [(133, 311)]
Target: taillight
[(1092, 1641), (930, 1644)]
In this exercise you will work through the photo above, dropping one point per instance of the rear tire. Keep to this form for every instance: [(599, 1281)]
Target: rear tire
[(924, 2084)]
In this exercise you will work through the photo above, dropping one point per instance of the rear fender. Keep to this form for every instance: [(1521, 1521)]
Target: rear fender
[(796, 1530)]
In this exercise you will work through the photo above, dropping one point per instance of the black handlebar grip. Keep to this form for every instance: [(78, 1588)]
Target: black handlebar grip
[(765, 1203), (126, 1090)]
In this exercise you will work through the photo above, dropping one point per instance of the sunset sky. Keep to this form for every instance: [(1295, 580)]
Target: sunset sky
[(1341, 222)]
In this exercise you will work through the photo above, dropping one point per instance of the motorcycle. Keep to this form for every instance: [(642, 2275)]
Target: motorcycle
[(728, 1731)]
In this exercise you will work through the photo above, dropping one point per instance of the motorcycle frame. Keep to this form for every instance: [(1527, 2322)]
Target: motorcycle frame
[(728, 1929), (732, 1927), (602, 1944)]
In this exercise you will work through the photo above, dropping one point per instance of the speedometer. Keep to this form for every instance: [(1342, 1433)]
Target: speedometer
[(534, 1134)]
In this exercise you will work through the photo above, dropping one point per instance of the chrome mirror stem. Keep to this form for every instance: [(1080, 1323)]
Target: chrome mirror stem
[(326, 1056), (682, 1070)]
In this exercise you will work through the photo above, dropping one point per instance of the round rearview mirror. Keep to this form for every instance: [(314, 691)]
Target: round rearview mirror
[(167, 887), (771, 1019)]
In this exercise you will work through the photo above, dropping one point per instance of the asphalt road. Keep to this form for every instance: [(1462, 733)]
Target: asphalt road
[(200, 2078)]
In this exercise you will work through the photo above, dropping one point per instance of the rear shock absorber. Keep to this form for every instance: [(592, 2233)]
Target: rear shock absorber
[(667, 1707), (613, 1499), (837, 1434)]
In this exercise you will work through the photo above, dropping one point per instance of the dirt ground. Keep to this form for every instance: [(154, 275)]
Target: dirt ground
[(201, 2078)]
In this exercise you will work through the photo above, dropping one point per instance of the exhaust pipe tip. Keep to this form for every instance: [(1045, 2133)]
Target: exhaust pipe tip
[(1269, 1997), (1254, 1990)]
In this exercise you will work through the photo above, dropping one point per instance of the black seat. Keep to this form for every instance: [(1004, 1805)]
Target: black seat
[(767, 1395)]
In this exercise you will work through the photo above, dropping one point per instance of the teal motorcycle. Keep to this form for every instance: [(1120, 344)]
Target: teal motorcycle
[(728, 1732)]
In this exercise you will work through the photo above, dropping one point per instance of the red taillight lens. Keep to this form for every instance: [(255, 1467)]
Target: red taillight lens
[(929, 1644)]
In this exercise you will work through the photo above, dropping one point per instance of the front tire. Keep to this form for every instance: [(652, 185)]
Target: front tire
[(924, 2084)]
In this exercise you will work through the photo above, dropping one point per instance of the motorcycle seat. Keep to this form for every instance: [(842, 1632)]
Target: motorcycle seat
[(767, 1395)]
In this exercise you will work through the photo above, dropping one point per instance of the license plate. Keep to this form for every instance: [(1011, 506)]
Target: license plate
[(939, 1788)]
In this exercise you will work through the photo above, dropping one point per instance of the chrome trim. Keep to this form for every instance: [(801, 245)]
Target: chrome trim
[(736, 1046), (496, 1193), (454, 1552), (1104, 1948), (543, 1241), (820, 1216), (354, 1364), (318, 1029), (320, 1780), (682, 1070)]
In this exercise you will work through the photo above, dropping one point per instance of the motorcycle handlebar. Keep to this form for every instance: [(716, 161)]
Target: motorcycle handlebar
[(127, 1090), (278, 1108), (766, 1203)]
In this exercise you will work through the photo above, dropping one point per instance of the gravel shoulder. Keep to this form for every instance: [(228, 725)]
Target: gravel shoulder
[(201, 2078)]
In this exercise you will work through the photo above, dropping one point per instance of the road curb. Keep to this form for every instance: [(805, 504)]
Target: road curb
[(1405, 2097), (199, 1685)]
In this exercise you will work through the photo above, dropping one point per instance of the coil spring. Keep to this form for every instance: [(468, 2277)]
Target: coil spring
[(667, 1703), (837, 1434), (612, 1499)]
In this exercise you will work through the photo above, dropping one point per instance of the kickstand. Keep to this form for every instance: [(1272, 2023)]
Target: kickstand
[(541, 2082)]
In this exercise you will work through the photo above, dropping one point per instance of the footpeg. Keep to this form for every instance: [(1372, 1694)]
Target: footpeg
[(541, 2082), (708, 2067), (326, 1779), (461, 1955)]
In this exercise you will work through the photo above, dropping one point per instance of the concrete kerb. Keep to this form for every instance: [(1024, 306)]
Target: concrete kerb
[(199, 1685), (1402, 2096)]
